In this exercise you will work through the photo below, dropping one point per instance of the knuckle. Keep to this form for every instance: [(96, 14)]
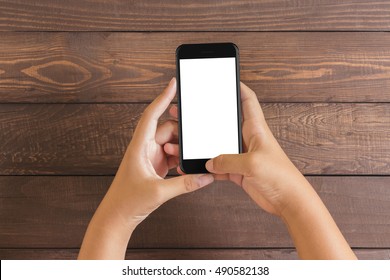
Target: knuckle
[(148, 112), (190, 184), (252, 92), (252, 161), (156, 194), (167, 123), (218, 162), (172, 125)]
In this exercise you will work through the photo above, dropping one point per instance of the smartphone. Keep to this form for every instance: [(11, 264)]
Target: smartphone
[(209, 115)]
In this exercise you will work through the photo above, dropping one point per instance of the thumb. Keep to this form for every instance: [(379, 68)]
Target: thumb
[(223, 164), (186, 183)]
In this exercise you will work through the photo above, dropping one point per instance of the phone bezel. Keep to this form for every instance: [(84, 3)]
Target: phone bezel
[(193, 51)]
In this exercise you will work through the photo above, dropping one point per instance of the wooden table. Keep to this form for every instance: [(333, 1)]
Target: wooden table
[(76, 75)]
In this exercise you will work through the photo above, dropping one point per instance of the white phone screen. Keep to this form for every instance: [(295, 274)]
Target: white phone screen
[(209, 107)]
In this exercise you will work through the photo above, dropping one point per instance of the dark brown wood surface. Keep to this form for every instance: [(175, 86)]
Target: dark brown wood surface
[(90, 139), (70, 100), (183, 254), (53, 212), (174, 15), (134, 67)]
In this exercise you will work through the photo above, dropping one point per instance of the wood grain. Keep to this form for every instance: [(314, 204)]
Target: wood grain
[(53, 212), (90, 139), (135, 67), (325, 94), (183, 254), (176, 15), (65, 139)]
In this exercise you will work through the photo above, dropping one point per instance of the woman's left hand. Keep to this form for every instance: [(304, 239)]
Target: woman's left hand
[(139, 186)]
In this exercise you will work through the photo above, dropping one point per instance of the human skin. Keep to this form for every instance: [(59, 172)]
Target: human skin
[(268, 176), (139, 186), (263, 171)]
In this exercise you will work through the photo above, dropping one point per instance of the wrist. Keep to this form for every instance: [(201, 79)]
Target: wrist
[(107, 235), (312, 228), (107, 221), (114, 213), (299, 198)]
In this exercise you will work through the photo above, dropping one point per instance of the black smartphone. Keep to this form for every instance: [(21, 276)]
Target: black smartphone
[(208, 87)]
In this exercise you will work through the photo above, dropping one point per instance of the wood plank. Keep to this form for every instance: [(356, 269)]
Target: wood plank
[(198, 16), (65, 139), (135, 67), (90, 139), (183, 254), (53, 212)]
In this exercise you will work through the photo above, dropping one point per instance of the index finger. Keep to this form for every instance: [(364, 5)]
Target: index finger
[(148, 123), (251, 108)]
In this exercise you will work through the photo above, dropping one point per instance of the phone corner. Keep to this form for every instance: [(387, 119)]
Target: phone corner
[(179, 48), (237, 49)]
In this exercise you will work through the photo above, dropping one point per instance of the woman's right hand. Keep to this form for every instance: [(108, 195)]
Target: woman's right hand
[(264, 171)]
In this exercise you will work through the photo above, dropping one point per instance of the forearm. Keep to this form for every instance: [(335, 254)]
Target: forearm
[(107, 235), (312, 228)]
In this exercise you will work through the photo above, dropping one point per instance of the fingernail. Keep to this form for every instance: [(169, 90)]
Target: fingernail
[(205, 179), (210, 165), (172, 81)]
